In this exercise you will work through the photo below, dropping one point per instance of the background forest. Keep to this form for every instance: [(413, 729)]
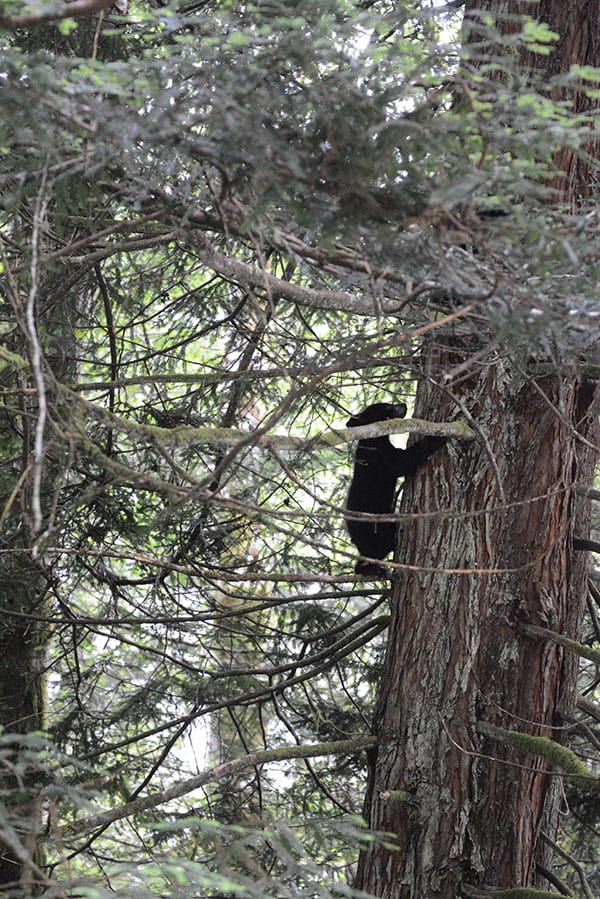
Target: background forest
[(225, 228)]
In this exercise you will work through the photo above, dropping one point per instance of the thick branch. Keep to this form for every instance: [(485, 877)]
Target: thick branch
[(555, 754), (182, 787), (277, 288), (231, 436), (585, 652)]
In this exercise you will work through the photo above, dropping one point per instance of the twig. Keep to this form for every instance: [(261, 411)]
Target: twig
[(36, 360), (572, 861)]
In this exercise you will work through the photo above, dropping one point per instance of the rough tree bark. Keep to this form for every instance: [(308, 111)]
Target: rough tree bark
[(466, 809)]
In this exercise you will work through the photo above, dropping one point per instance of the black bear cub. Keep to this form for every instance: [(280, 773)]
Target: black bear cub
[(377, 466)]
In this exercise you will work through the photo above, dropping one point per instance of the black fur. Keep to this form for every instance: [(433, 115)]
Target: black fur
[(377, 466), (586, 545)]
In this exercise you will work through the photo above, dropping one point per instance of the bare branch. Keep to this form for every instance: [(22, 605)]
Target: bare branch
[(275, 287), (185, 436), (227, 769), (36, 359)]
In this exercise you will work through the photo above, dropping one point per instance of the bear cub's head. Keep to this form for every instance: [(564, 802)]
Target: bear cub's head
[(377, 412)]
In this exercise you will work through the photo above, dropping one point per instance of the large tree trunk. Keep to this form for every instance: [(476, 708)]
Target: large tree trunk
[(24, 574), (466, 809), (22, 711), (57, 301)]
